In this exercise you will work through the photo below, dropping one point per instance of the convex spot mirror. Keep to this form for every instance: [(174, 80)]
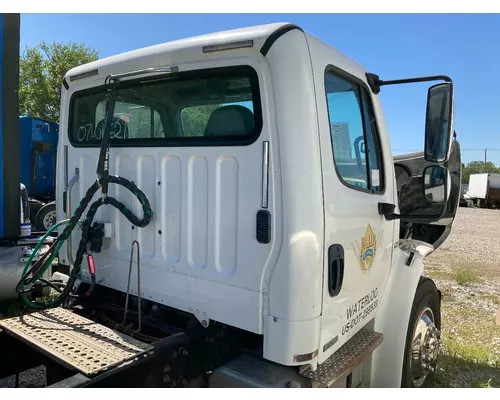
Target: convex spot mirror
[(436, 184), (439, 122)]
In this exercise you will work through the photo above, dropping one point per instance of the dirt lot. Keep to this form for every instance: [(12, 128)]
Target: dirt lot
[(467, 271)]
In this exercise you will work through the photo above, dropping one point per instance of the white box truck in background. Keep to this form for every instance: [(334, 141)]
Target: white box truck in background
[(484, 189)]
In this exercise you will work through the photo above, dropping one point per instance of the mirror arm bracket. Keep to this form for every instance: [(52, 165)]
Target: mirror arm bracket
[(376, 83), (392, 217), (387, 210)]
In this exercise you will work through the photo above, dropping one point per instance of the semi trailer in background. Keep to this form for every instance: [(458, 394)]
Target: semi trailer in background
[(484, 190), (38, 152)]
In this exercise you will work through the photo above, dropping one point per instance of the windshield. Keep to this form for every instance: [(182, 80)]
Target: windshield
[(205, 107)]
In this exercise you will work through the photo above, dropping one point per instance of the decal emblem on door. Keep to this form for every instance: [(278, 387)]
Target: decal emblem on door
[(368, 249)]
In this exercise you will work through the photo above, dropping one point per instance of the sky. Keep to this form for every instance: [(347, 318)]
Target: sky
[(391, 45)]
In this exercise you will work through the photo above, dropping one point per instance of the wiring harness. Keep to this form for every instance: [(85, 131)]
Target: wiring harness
[(32, 275)]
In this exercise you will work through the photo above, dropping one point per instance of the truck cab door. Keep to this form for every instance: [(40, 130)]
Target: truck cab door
[(357, 181), (436, 229)]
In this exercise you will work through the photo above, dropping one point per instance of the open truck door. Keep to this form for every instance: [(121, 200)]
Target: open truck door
[(409, 170)]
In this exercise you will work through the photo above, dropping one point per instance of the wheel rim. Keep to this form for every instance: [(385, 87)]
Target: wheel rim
[(425, 347), (49, 220)]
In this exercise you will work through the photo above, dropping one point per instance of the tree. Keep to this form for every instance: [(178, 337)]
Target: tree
[(477, 167), (41, 70), (195, 119)]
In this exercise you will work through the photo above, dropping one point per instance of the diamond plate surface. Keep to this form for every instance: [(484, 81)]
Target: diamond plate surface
[(74, 340), (345, 359)]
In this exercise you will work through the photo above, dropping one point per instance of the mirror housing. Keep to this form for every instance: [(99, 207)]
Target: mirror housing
[(436, 184), (439, 122)]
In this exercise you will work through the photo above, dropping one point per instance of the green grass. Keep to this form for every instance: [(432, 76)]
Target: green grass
[(470, 346), (470, 352), (465, 275), (479, 384), (494, 298), (14, 308), (436, 273), (458, 372), (467, 359)]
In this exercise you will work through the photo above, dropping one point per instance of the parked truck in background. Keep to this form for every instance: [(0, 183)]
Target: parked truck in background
[(261, 249), (38, 148), (464, 201), (484, 190)]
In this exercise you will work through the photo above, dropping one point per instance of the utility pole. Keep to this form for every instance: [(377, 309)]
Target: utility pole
[(485, 151)]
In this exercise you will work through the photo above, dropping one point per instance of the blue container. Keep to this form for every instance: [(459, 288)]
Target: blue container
[(38, 146)]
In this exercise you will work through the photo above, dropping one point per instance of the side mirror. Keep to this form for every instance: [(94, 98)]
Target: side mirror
[(439, 122), (436, 184)]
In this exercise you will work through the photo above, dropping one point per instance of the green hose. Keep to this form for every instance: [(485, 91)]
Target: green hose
[(47, 265), (40, 266)]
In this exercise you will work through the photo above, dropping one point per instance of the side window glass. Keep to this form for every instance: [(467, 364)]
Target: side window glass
[(354, 145)]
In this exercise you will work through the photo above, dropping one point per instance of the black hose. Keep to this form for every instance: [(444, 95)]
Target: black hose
[(104, 179), (144, 221)]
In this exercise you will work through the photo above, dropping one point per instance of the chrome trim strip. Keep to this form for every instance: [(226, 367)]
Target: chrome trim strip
[(265, 174)]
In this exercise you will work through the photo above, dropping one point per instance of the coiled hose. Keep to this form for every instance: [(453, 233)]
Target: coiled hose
[(41, 266), (34, 274)]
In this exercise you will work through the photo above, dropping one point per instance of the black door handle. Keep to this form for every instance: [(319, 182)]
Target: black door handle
[(65, 193), (335, 269)]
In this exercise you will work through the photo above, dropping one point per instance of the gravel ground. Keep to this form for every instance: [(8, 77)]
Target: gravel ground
[(33, 378), (475, 239), (467, 271)]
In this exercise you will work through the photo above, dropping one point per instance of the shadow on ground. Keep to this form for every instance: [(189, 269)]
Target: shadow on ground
[(455, 372)]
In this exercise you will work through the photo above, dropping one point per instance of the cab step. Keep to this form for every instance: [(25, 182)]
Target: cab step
[(73, 340), (346, 359)]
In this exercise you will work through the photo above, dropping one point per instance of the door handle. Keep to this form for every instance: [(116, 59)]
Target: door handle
[(65, 193), (335, 269)]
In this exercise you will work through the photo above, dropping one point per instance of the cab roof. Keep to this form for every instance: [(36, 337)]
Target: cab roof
[(259, 34), (170, 53)]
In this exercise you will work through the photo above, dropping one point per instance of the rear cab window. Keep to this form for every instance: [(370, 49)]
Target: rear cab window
[(195, 119), (208, 107)]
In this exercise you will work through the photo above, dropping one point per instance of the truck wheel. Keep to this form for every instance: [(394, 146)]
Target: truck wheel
[(35, 206), (46, 217), (423, 337)]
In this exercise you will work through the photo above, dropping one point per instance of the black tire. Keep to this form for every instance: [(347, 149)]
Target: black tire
[(40, 223), (426, 295), (35, 206)]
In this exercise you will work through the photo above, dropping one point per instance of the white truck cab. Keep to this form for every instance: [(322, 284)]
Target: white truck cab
[(276, 201)]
